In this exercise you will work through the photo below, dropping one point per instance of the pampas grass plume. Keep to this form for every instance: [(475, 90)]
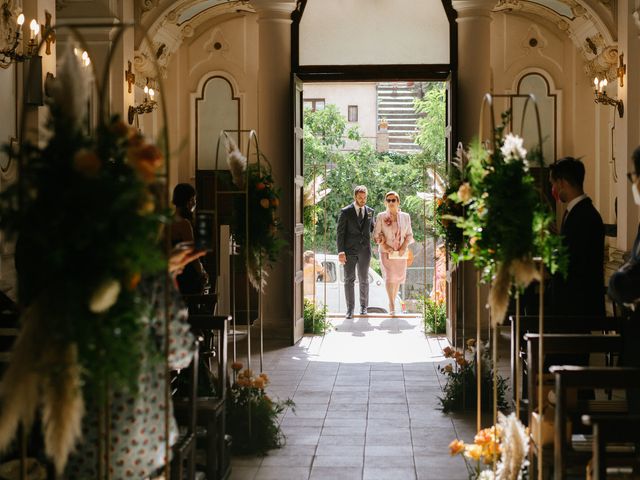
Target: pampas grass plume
[(237, 162), (515, 448)]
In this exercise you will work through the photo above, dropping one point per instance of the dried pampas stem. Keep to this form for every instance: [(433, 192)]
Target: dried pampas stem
[(237, 162), (499, 294), (19, 390), (524, 272), (63, 407), (515, 448)]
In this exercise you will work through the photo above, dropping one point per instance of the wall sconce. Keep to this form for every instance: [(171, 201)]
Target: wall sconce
[(16, 50), (601, 96), (147, 106)]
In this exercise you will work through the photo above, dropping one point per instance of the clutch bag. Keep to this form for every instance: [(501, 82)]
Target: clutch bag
[(395, 255)]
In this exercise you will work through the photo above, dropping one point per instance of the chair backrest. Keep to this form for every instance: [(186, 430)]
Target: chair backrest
[(569, 378)]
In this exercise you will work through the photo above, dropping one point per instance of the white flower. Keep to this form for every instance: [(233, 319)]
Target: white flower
[(486, 475), (512, 148), (104, 296)]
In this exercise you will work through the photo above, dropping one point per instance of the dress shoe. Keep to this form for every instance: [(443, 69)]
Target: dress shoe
[(349, 315), (363, 311)]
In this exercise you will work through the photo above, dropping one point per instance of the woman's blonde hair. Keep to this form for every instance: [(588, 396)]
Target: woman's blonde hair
[(392, 192)]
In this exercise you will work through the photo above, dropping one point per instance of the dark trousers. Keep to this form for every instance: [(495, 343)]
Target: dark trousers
[(359, 262)]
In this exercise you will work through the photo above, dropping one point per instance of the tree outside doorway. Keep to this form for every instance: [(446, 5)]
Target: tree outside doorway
[(337, 157)]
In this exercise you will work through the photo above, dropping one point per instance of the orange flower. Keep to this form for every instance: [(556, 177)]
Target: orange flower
[(260, 186), (134, 280), (448, 368), (146, 159), (275, 202), (456, 447), (87, 162), (448, 352), (258, 383), (264, 203), (473, 452), (236, 366), (461, 361), (264, 377), (243, 382)]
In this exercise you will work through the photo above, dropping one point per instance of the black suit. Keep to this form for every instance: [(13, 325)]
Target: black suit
[(354, 239), (582, 293)]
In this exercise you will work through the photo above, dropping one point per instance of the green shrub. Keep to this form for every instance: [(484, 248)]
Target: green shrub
[(434, 314), (315, 318)]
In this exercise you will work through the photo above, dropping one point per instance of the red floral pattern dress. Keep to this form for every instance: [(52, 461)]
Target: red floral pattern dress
[(137, 430)]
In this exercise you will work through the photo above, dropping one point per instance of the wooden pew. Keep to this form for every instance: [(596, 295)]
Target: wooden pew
[(552, 324), (568, 378), (211, 411), (608, 429), (555, 343)]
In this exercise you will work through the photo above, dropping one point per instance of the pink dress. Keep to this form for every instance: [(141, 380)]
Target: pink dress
[(393, 232)]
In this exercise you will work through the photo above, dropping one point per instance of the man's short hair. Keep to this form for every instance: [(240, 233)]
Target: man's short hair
[(635, 156), (569, 169), (360, 189)]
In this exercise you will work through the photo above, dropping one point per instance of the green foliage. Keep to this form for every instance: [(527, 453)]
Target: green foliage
[(85, 218), (315, 318), (496, 184), (252, 417), (460, 390), (431, 134), (434, 314)]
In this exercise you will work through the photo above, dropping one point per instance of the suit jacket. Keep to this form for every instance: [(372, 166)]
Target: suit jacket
[(582, 293), (353, 236), (624, 285)]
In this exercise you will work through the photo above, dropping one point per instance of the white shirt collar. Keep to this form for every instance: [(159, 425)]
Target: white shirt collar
[(575, 201), (358, 208)]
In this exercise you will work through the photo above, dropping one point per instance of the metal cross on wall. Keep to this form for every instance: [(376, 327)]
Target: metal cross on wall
[(129, 76), (50, 33)]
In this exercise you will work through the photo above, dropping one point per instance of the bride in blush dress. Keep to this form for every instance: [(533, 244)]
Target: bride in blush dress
[(393, 234)]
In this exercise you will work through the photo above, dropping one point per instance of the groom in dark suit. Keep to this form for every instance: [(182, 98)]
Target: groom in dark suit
[(355, 225), (582, 293)]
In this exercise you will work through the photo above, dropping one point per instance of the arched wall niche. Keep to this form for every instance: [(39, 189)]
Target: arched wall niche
[(216, 107), (538, 83)]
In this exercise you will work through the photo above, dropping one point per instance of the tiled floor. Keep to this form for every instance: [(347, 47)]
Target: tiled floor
[(366, 407)]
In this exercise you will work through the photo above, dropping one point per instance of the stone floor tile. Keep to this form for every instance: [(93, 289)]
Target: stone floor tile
[(336, 450), (389, 473), (243, 473), (404, 461), (389, 439), (289, 450), (338, 461), (336, 473), (387, 451), (293, 421), (246, 461), (283, 473), (287, 461), (333, 440), (350, 430), (302, 439)]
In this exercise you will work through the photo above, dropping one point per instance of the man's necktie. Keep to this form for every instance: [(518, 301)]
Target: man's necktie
[(360, 215)]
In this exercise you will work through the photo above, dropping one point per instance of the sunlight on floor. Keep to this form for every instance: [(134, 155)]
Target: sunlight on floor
[(375, 339)]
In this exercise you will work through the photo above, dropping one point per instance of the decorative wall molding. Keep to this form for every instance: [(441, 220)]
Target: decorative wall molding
[(603, 65)]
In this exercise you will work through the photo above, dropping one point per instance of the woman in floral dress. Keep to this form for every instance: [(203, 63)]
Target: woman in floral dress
[(393, 234)]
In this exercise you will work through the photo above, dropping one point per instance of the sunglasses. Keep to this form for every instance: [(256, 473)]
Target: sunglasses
[(391, 200), (632, 176)]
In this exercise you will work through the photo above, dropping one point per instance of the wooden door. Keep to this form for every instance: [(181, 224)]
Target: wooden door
[(298, 205)]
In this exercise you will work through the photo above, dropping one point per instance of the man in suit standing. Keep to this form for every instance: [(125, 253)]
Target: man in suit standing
[(355, 225), (582, 292)]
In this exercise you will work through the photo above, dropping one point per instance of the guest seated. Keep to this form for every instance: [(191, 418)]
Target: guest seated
[(194, 278)]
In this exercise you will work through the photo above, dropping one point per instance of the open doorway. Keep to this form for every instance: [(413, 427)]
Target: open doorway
[(386, 135)]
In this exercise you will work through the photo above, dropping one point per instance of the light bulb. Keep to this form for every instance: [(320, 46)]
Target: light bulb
[(21, 19), (151, 93), (35, 28), (595, 82), (146, 89)]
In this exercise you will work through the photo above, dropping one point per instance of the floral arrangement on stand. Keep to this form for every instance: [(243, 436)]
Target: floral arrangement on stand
[(264, 243), (505, 223), (87, 228), (460, 391), (498, 452), (252, 416)]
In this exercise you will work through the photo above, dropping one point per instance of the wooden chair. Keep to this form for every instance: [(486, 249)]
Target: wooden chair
[(616, 432), (553, 324), (571, 378), (184, 450), (211, 409)]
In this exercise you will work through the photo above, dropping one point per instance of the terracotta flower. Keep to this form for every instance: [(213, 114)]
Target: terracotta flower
[(236, 366), (456, 447), (264, 203), (86, 162), (473, 452), (464, 192), (147, 160)]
